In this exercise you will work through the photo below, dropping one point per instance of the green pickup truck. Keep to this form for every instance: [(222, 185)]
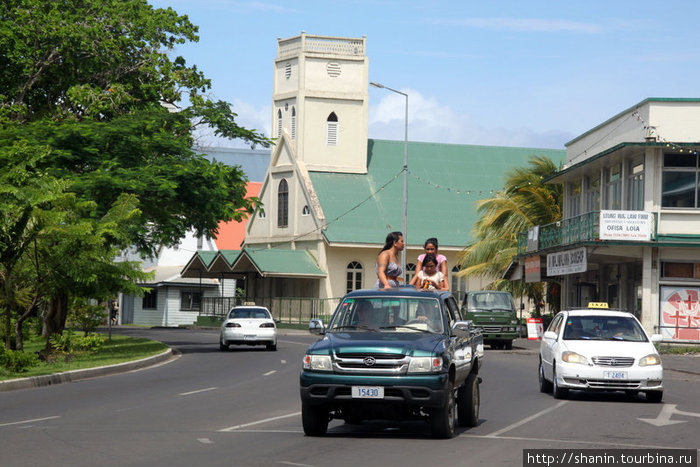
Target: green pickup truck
[(393, 354)]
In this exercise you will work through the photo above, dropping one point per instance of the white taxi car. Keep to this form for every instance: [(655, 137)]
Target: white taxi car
[(248, 325), (599, 349)]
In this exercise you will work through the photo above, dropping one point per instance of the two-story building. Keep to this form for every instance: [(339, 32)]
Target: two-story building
[(630, 233)]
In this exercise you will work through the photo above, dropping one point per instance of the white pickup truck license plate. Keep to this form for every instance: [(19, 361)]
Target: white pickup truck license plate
[(615, 374), (368, 392)]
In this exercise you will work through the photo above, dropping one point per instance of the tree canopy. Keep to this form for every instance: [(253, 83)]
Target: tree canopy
[(523, 202), (96, 125)]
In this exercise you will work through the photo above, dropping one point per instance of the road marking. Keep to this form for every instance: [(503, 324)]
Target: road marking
[(526, 420), (283, 362), (269, 372), (195, 392), (664, 417), (564, 441), (29, 421), (232, 428), (294, 463), (205, 441), (297, 343)]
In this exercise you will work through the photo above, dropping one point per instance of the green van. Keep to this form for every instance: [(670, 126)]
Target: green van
[(494, 312)]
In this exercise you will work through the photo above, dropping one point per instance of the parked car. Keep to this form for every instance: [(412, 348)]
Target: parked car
[(393, 354), (599, 350), (248, 325)]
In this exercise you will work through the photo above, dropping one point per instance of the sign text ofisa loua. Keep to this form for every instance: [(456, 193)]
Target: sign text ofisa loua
[(626, 225)]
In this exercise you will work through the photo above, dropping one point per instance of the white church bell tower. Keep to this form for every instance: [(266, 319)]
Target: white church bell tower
[(320, 101)]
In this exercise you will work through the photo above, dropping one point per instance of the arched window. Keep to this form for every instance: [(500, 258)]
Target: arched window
[(332, 129), (282, 204), (410, 272), (279, 123), (305, 211), (354, 276), (294, 123)]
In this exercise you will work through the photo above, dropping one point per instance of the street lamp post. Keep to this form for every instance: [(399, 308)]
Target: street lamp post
[(404, 228)]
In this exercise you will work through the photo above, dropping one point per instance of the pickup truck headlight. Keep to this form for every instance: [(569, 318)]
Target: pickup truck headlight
[(650, 360), (425, 365), (573, 357), (317, 362)]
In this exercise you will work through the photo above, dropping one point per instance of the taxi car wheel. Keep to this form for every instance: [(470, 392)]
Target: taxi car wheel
[(223, 346), (654, 396), (272, 347), (442, 420), (545, 386), (314, 419), (559, 392), (468, 402)]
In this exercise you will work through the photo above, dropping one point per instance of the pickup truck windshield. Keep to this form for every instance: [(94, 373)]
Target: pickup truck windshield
[(489, 301), (388, 314)]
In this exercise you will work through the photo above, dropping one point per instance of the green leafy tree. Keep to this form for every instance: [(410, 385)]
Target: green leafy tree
[(523, 202), (104, 115)]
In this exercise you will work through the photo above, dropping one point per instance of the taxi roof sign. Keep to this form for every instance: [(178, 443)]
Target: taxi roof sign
[(598, 305)]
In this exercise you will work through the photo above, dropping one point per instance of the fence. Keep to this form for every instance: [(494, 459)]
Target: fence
[(286, 309)]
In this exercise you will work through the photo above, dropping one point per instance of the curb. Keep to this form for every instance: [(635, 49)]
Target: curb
[(85, 373)]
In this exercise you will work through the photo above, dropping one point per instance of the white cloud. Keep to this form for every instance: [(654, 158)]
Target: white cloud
[(524, 24), (431, 121)]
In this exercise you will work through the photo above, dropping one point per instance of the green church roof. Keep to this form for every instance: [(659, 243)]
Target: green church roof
[(444, 183)]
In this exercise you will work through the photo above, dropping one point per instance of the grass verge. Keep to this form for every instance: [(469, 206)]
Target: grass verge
[(119, 349)]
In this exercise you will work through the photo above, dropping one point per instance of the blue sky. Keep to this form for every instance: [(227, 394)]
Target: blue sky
[(512, 73)]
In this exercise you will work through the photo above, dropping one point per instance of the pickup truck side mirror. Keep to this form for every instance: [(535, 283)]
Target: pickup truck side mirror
[(462, 329), (316, 327)]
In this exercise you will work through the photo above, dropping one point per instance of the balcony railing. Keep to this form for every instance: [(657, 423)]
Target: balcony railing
[(583, 228), (320, 44)]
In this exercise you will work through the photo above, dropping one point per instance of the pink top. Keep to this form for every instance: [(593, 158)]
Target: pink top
[(440, 258)]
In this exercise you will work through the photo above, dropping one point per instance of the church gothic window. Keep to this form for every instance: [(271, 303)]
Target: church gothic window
[(332, 129), (279, 123), (294, 123), (282, 204)]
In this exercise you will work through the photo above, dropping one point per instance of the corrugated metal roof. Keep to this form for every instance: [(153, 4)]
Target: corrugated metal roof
[(275, 262), (444, 183)]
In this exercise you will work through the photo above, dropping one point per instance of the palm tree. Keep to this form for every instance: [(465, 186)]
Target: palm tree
[(523, 202)]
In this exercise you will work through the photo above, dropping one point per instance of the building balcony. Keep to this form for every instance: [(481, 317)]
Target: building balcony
[(574, 230)]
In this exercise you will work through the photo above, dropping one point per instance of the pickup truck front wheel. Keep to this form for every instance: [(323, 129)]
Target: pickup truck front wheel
[(314, 419), (468, 402), (443, 420)]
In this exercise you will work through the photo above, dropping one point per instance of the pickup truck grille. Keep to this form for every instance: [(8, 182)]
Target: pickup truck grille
[(380, 364)]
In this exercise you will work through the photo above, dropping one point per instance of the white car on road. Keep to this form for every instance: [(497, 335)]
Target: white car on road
[(599, 349), (248, 325)]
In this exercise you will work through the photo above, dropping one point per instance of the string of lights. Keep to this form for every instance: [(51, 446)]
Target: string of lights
[(652, 134), (459, 191)]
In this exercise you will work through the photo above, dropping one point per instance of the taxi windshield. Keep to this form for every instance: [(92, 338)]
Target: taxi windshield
[(594, 327), (388, 314)]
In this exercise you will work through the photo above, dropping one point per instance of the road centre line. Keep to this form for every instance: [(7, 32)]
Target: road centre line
[(297, 343), (195, 392), (232, 428), (527, 420), (269, 372), (29, 421)]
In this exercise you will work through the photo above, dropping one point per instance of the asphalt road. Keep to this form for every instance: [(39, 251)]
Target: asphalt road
[(241, 408)]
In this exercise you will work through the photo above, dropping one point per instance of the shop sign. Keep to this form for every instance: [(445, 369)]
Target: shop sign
[(567, 262), (625, 225), (533, 271)]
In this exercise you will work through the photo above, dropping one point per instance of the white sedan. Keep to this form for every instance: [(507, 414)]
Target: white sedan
[(248, 325), (597, 349)]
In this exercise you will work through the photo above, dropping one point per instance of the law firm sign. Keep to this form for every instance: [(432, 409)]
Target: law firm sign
[(626, 225)]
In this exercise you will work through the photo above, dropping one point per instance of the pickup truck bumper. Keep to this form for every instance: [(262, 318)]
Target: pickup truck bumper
[(335, 390)]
